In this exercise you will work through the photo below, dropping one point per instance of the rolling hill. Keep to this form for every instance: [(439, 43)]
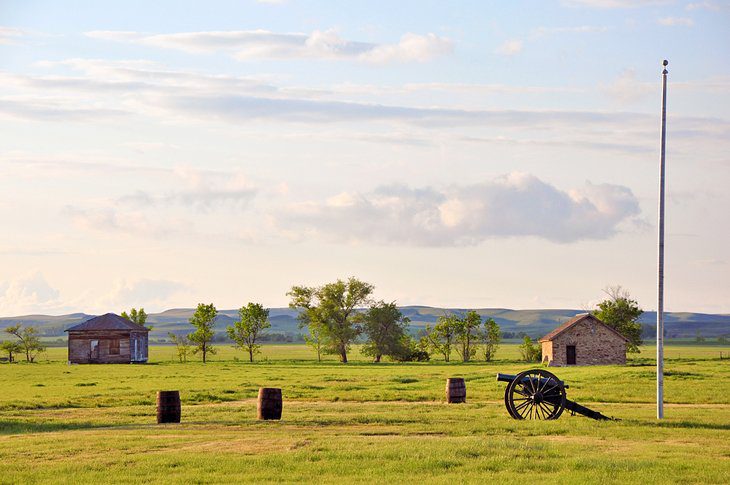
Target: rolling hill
[(284, 324)]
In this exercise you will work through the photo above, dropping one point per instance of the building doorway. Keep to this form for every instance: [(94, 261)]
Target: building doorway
[(94, 354), (570, 354)]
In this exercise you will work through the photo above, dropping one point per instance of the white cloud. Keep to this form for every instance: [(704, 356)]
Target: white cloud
[(676, 21), (581, 29), (264, 44), (708, 5), (510, 48), (10, 35), (627, 89), (205, 190), (28, 294), (412, 47), (515, 205), (152, 294), (55, 110)]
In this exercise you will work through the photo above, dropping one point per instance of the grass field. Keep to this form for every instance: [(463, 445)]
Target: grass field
[(358, 422)]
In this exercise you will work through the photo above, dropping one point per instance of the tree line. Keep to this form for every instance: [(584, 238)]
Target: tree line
[(337, 315)]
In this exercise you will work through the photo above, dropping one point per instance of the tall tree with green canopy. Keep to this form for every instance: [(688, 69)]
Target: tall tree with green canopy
[(28, 341), (621, 312), (491, 337), (387, 332), (442, 336), (137, 316), (203, 320), (254, 319), (332, 308), (467, 334)]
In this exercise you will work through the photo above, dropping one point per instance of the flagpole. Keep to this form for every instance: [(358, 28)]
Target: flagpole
[(660, 272)]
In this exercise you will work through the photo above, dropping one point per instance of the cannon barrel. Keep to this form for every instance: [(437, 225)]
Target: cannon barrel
[(510, 377), (576, 408)]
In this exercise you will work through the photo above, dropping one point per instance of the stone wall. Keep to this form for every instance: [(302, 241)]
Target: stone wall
[(595, 344)]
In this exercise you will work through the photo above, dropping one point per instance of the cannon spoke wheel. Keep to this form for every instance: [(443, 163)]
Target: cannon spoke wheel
[(535, 394)]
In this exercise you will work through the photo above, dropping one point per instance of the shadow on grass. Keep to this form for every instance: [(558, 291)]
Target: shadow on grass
[(25, 427), (694, 425), (681, 424)]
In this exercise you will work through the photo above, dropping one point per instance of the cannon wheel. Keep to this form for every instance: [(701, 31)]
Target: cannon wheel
[(535, 394)]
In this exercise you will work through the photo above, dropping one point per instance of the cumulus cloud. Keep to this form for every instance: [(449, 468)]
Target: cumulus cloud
[(515, 205), (510, 48), (264, 44), (204, 190), (155, 293), (28, 294)]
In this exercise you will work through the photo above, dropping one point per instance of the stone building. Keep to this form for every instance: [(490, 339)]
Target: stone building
[(584, 340), (107, 339)]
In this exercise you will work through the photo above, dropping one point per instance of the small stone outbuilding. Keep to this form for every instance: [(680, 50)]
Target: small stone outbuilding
[(107, 339), (584, 340)]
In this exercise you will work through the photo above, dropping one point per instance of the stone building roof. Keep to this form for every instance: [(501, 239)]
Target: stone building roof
[(109, 321), (575, 320)]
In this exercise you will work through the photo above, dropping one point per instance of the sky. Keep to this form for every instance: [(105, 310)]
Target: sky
[(464, 154)]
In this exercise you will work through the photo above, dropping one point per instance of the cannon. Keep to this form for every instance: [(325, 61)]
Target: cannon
[(539, 394)]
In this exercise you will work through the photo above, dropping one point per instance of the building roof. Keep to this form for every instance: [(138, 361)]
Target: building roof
[(109, 321), (572, 322)]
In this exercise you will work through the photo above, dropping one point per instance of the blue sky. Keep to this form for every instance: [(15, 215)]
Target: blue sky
[(475, 154)]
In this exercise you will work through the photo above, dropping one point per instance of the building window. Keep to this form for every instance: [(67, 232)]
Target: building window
[(114, 347)]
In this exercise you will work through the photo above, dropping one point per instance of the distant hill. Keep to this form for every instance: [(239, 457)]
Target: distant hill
[(284, 323)]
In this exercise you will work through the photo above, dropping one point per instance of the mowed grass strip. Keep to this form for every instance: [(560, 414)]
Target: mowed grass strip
[(356, 423)]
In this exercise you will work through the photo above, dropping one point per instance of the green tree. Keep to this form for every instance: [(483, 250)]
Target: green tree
[(442, 336), (11, 348), (28, 340), (467, 334), (332, 309), (387, 332), (621, 312), (137, 316), (531, 352), (254, 319), (491, 337), (182, 345), (203, 320)]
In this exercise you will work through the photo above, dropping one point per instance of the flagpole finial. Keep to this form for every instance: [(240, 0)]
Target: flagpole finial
[(665, 63)]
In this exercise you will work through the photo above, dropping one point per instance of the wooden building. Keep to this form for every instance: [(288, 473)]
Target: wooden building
[(107, 339), (584, 340)]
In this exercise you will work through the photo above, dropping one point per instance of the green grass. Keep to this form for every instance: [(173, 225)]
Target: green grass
[(359, 422)]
